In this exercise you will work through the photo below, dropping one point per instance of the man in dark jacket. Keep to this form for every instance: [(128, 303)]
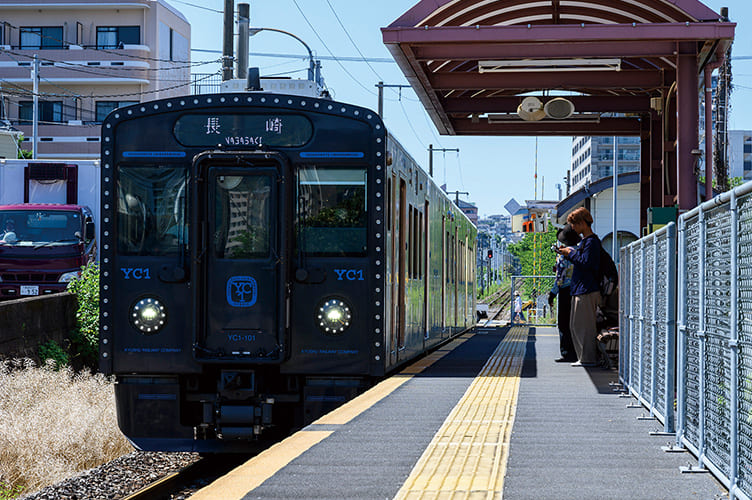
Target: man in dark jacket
[(585, 287)]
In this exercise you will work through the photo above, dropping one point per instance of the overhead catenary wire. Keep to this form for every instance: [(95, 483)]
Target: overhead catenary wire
[(330, 52)]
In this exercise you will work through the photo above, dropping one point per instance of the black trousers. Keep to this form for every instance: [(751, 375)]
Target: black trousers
[(566, 347)]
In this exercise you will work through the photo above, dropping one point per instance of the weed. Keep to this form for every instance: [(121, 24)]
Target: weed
[(53, 425), (51, 350)]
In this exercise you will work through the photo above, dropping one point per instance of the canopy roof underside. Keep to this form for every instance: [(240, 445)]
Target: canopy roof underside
[(471, 62)]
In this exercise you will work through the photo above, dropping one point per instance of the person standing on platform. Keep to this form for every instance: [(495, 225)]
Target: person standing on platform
[(518, 309), (563, 269), (585, 288)]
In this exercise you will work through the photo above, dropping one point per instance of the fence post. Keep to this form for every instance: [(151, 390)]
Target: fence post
[(654, 327), (702, 339), (670, 361), (734, 346), (681, 330), (632, 318), (642, 320)]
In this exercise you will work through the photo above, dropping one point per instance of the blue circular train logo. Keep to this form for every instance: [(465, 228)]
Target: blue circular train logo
[(242, 291)]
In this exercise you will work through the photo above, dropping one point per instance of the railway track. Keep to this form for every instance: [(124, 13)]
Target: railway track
[(496, 303), (190, 478)]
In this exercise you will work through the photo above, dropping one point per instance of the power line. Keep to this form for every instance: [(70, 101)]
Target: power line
[(198, 6), (297, 56), (330, 52)]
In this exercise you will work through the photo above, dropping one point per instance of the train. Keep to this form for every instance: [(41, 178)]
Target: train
[(264, 259)]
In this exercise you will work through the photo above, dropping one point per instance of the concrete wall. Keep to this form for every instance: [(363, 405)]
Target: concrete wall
[(26, 323)]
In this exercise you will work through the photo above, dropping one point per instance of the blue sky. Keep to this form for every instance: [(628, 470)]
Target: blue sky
[(491, 169)]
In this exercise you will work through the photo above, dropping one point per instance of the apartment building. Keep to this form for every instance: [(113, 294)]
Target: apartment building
[(94, 56), (593, 159)]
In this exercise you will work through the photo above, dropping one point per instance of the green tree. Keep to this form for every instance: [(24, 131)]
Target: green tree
[(535, 255), (22, 153)]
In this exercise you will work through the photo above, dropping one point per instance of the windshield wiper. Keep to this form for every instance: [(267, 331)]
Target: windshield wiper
[(50, 243)]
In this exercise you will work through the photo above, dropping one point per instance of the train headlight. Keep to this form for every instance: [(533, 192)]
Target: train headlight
[(148, 315), (333, 316)]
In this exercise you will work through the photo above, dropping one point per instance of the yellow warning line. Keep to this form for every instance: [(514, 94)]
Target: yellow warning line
[(468, 455)]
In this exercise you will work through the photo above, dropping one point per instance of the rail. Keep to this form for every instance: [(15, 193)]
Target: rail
[(686, 315)]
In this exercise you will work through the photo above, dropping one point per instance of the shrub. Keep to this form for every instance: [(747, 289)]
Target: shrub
[(85, 339), (53, 425), (51, 350)]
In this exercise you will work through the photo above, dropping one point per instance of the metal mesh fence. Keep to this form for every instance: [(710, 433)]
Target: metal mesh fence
[(533, 292), (691, 282), (660, 274), (637, 312), (744, 322), (717, 329), (714, 331), (625, 327)]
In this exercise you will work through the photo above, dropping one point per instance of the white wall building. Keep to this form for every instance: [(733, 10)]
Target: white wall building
[(593, 159), (740, 154), (95, 56)]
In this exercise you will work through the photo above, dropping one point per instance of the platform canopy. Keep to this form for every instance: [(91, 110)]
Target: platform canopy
[(472, 62)]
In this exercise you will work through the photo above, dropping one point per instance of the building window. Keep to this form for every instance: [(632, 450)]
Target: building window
[(49, 111), (44, 37), (113, 37), (104, 108)]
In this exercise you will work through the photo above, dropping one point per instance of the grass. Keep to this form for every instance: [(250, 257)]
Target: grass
[(53, 425)]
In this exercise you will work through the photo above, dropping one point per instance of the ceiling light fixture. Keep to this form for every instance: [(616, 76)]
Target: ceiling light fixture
[(546, 65)]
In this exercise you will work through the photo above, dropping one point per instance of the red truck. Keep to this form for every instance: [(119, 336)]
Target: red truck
[(43, 247)]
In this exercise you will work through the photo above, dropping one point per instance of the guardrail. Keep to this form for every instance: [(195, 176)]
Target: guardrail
[(700, 336)]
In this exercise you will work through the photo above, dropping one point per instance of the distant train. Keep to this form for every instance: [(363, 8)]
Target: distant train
[(264, 259)]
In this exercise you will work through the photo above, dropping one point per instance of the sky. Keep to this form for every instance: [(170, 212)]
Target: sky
[(492, 170)]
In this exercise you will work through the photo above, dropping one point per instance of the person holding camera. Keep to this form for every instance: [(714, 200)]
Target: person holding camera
[(585, 287), (563, 270)]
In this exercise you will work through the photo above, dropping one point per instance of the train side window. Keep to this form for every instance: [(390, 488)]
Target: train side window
[(151, 210), (331, 211)]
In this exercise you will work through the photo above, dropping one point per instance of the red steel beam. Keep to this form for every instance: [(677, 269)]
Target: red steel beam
[(606, 127), (644, 79), (587, 104), (500, 50), (672, 32)]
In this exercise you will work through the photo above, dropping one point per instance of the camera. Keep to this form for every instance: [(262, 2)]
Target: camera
[(554, 248)]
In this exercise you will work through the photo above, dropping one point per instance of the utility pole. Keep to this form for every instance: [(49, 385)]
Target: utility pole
[(227, 39), (244, 19), (457, 196), (381, 86), (35, 107), (431, 149)]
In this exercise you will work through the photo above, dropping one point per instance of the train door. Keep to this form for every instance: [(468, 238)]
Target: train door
[(455, 277), (443, 272), (424, 267), (239, 294), (402, 237)]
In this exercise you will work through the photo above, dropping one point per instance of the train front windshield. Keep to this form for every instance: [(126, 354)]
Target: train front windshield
[(151, 210)]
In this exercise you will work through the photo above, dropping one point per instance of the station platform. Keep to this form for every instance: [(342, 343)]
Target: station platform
[(489, 415)]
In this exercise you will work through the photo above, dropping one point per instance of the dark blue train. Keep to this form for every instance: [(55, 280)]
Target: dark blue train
[(266, 258)]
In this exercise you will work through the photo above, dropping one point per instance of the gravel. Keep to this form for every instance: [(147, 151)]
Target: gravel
[(118, 478)]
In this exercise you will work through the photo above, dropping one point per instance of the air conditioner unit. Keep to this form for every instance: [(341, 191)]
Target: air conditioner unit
[(559, 108)]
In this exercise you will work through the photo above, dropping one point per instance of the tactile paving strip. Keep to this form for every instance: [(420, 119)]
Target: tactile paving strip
[(468, 455)]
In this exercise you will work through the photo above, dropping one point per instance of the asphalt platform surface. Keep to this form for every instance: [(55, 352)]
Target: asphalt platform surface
[(574, 438)]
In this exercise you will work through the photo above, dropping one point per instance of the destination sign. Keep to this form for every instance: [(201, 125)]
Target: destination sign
[(250, 130)]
